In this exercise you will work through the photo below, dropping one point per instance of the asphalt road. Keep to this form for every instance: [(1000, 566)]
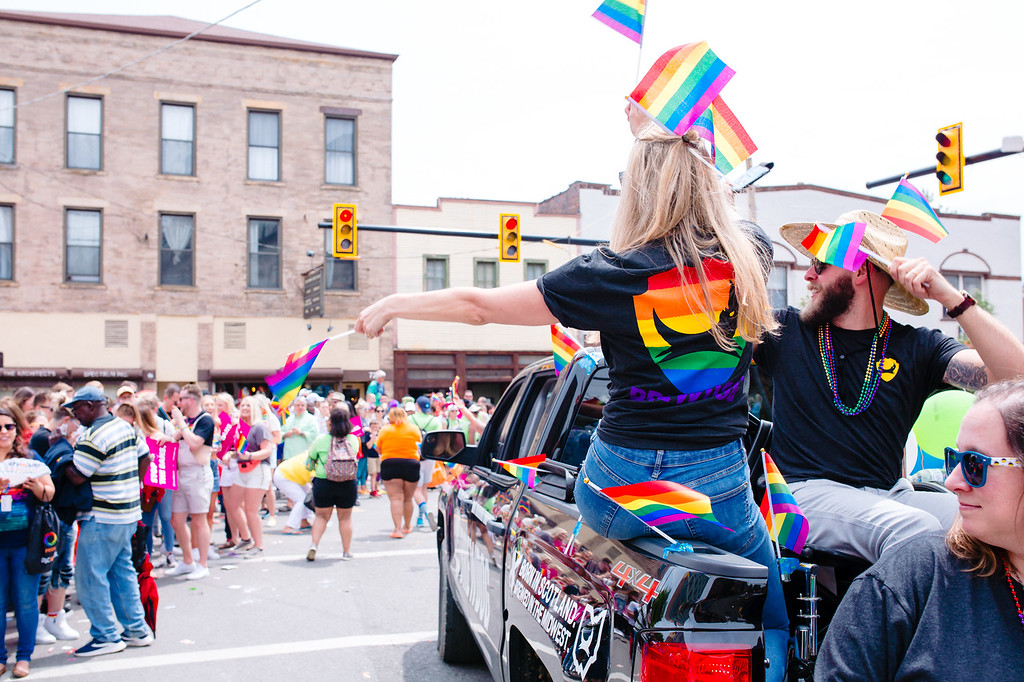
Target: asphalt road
[(281, 617)]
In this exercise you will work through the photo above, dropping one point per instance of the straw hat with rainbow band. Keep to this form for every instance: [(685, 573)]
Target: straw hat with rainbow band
[(883, 241)]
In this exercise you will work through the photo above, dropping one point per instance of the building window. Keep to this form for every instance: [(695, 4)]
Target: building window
[(6, 126), (340, 153), (84, 239), (264, 253), (485, 273), (177, 250), (535, 269), (435, 273), (177, 139), (339, 273), (85, 132), (6, 242), (264, 145), (778, 286)]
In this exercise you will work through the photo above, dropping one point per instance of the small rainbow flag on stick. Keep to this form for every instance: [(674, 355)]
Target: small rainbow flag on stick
[(787, 524), (841, 246), (730, 143), (658, 503), (681, 85), (286, 382), (523, 468), (625, 16), (564, 347), (910, 210)]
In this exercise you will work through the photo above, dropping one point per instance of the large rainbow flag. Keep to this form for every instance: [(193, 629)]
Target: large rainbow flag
[(730, 143), (286, 382), (786, 523), (681, 85), (624, 16), (563, 346), (840, 247), (524, 468), (910, 210), (658, 503)]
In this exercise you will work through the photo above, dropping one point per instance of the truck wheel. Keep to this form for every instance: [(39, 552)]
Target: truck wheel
[(455, 642)]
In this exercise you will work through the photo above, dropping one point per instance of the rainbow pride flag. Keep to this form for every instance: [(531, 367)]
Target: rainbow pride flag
[(286, 382), (681, 85), (564, 347), (910, 210), (841, 247), (524, 468), (658, 503), (730, 143), (813, 241), (624, 16), (786, 522)]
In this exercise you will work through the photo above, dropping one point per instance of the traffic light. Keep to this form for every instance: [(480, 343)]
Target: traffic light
[(950, 169), (509, 238), (345, 231)]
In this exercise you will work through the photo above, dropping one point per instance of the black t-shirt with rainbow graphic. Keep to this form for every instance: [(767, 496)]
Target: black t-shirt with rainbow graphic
[(672, 386)]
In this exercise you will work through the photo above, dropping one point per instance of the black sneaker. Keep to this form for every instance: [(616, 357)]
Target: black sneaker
[(95, 648)]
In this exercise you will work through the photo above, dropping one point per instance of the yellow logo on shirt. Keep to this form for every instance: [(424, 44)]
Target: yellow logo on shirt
[(887, 367)]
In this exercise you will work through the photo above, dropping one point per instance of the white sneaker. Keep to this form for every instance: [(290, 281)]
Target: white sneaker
[(43, 636), (270, 522), (180, 568), (58, 627), (198, 574), (212, 553)]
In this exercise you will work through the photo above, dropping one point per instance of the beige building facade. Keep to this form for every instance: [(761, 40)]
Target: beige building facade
[(156, 223)]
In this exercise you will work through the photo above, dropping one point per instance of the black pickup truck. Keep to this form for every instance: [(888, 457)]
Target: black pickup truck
[(539, 595)]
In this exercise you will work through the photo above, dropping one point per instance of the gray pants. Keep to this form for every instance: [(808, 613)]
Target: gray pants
[(867, 521)]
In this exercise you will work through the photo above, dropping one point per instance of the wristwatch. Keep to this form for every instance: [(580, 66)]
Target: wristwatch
[(964, 305)]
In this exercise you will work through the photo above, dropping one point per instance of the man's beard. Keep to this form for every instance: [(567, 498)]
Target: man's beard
[(830, 303)]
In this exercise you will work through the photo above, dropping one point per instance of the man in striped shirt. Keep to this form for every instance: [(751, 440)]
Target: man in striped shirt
[(112, 457)]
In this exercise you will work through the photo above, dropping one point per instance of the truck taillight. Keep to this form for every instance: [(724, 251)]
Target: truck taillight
[(676, 662)]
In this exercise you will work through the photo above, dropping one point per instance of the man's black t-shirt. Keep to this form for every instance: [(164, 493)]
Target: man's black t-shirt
[(669, 380), (811, 439), (203, 427), (367, 450)]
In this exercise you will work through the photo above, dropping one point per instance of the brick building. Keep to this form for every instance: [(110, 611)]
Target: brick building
[(155, 223)]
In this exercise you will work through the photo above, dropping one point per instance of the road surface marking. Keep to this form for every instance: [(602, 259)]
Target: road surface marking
[(113, 665)]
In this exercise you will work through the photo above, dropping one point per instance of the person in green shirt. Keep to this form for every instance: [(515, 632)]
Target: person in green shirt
[(300, 429), (425, 422)]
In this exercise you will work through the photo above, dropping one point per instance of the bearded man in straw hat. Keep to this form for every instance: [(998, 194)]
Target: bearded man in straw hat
[(849, 384)]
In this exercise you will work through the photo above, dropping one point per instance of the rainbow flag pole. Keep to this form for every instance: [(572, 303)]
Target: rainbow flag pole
[(654, 528)]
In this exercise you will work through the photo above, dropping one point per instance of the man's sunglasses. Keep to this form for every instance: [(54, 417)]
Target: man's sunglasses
[(974, 465), (819, 266)]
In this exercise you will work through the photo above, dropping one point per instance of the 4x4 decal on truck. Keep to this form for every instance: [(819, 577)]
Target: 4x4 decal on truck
[(634, 576)]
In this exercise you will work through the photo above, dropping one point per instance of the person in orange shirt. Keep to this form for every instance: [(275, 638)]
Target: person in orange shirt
[(398, 443)]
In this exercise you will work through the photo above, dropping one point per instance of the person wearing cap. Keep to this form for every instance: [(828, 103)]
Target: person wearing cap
[(113, 457), (419, 415), (126, 393), (849, 382)]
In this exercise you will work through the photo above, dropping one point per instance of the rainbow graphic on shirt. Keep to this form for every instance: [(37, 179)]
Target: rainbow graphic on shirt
[(671, 310)]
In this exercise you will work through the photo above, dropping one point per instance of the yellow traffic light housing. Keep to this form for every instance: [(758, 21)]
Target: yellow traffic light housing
[(345, 231), (950, 168), (509, 238)]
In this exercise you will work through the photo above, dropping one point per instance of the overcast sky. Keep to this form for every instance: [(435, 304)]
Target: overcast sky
[(515, 100)]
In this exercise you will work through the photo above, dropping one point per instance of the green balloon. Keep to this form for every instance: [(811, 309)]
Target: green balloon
[(938, 425)]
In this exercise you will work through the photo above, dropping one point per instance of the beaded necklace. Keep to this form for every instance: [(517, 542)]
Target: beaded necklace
[(872, 375), (1013, 591)]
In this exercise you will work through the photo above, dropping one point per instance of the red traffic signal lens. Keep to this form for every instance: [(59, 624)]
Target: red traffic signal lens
[(345, 215), (511, 224), (943, 140)]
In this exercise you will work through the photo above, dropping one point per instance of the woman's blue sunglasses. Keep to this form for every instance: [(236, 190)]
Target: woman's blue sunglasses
[(974, 465)]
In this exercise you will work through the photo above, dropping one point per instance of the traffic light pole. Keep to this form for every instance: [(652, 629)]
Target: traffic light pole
[(977, 158), (570, 241)]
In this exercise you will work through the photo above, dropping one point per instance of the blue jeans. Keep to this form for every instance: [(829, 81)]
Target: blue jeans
[(163, 507), (108, 586), (18, 586), (721, 474)]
